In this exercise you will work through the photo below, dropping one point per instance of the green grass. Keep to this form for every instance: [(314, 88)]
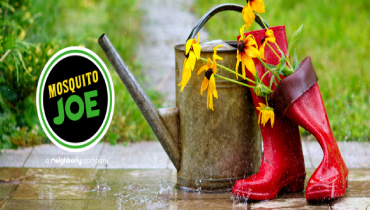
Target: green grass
[(74, 23), (336, 36)]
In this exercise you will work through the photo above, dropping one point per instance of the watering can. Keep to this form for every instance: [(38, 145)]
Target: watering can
[(210, 149)]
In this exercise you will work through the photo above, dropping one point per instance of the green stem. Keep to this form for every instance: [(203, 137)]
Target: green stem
[(263, 63), (264, 75), (267, 103), (234, 81), (273, 50), (276, 45), (231, 71), (287, 60), (262, 21)]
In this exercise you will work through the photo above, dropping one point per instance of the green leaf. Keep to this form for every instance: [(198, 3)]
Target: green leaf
[(272, 67), (272, 80), (256, 78), (282, 63), (294, 38), (295, 61)]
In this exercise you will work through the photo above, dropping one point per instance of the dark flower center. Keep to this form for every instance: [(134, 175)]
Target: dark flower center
[(241, 46), (263, 40), (209, 73)]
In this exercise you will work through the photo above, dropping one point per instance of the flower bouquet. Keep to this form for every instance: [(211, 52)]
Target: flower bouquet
[(286, 95)]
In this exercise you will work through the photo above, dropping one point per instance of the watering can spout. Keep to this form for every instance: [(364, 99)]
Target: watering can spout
[(163, 122)]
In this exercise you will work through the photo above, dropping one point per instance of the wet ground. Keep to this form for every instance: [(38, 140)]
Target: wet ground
[(151, 185), (146, 189)]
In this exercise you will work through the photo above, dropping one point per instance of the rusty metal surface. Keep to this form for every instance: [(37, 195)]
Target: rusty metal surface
[(142, 100), (221, 145)]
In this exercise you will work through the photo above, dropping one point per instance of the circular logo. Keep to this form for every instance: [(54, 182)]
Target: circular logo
[(75, 99)]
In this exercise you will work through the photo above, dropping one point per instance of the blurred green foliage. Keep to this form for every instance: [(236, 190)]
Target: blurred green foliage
[(336, 36), (33, 30)]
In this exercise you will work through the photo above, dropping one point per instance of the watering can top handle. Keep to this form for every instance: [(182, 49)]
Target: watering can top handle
[(217, 9)]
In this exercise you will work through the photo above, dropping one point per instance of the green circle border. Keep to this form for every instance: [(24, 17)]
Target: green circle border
[(110, 99)]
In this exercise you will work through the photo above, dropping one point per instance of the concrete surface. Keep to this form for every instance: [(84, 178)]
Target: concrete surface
[(150, 155)]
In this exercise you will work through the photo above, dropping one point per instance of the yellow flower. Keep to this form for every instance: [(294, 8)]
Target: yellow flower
[(209, 78), (269, 37), (266, 114), (192, 53), (248, 11), (246, 50)]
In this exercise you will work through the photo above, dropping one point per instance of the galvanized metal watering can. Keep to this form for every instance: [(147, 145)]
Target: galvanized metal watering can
[(210, 149)]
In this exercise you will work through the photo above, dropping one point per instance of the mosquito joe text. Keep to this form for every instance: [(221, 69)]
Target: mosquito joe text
[(70, 85)]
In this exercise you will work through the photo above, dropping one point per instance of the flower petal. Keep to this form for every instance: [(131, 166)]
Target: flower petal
[(188, 45), (250, 65), (258, 6), (272, 119), (252, 52), (204, 85), (216, 57), (192, 60), (242, 33), (196, 48), (248, 16), (262, 50), (203, 68), (262, 105), (237, 64), (250, 41), (185, 77), (213, 85), (243, 64)]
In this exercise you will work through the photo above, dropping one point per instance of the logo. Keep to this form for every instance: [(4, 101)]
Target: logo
[(75, 99)]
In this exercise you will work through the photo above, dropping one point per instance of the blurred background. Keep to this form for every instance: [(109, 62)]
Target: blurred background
[(335, 34)]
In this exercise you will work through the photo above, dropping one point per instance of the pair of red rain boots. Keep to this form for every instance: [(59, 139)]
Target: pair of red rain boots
[(297, 101)]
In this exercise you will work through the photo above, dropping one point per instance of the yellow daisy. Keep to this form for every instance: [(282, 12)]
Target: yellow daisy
[(209, 78), (246, 50)]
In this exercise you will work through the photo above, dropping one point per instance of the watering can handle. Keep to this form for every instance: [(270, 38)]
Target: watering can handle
[(217, 9)]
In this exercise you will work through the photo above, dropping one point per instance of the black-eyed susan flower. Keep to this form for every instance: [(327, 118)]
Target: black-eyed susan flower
[(209, 78), (248, 11), (246, 50), (192, 53), (266, 114), (269, 37)]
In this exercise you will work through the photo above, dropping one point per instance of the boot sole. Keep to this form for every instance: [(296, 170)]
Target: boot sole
[(293, 184), (327, 194)]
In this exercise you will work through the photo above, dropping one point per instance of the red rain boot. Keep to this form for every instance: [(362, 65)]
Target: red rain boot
[(298, 97), (282, 163)]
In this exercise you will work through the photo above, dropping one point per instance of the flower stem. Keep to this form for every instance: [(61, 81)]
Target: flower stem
[(287, 60), (267, 103), (231, 71), (273, 50), (234, 81), (262, 21), (264, 75), (263, 63)]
